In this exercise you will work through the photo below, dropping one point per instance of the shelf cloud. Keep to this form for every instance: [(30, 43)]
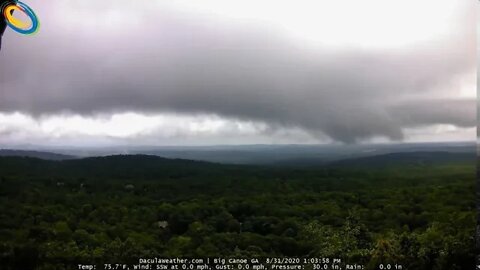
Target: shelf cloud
[(171, 60)]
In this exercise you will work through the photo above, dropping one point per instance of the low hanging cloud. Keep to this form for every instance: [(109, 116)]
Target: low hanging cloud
[(169, 61)]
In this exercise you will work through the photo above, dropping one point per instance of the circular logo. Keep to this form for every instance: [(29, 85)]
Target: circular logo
[(20, 26)]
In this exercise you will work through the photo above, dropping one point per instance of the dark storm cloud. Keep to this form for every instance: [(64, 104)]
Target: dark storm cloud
[(437, 111), (174, 64)]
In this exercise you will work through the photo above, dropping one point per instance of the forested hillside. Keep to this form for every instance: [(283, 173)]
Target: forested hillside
[(120, 208)]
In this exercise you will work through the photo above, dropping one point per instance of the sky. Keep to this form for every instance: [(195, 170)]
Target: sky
[(189, 72)]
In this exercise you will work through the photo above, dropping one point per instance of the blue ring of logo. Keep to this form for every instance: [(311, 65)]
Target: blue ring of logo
[(33, 17)]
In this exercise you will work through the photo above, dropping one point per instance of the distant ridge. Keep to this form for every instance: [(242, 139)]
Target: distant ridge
[(115, 166), (302, 155), (405, 158), (34, 154)]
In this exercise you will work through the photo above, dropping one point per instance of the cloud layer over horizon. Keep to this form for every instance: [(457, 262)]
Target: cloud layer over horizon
[(162, 60)]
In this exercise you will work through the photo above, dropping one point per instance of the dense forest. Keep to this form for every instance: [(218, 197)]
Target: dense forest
[(55, 214)]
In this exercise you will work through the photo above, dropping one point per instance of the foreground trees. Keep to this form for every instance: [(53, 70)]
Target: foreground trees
[(423, 217)]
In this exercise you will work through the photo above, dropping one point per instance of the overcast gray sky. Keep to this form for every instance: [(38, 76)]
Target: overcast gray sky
[(240, 72)]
